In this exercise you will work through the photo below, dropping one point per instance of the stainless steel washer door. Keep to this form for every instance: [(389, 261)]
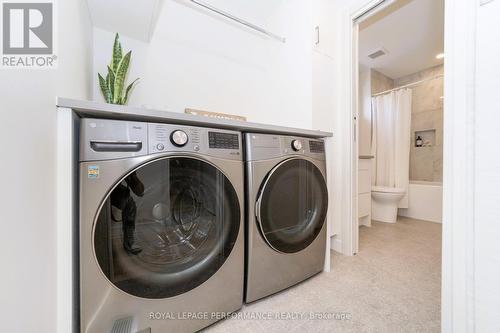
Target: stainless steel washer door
[(292, 205), (166, 227)]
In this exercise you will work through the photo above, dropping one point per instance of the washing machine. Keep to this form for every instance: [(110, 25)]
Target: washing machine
[(161, 238), (286, 212)]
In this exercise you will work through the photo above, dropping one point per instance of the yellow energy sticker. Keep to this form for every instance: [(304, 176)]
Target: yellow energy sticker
[(93, 171)]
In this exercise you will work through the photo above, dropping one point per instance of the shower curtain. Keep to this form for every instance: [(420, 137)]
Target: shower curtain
[(391, 140)]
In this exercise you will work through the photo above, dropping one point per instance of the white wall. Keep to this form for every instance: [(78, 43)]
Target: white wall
[(365, 113), (327, 90), (487, 171), (335, 117), (200, 60), (27, 214), (323, 94)]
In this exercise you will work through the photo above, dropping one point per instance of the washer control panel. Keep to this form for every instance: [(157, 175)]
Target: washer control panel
[(179, 138), (106, 139)]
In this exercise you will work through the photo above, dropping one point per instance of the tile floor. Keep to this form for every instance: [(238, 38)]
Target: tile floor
[(392, 285)]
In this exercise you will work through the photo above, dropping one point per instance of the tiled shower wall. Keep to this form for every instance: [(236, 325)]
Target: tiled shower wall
[(426, 163), (380, 82)]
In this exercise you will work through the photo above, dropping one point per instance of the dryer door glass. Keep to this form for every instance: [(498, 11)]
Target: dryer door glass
[(167, 227), (292, 205)]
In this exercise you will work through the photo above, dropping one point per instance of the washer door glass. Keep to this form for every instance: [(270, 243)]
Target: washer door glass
[(167, 227), (292, 205)]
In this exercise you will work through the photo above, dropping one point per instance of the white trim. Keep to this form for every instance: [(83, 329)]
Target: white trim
[(355, 135), (336, 244), (65, 214), (327, 266), (330, 215), (458, 159)]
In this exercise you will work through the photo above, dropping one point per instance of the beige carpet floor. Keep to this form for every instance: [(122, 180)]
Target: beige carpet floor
[(392, 285)]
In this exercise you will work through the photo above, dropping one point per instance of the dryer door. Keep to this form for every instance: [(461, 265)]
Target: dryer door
[(166, 227), (292, 205)]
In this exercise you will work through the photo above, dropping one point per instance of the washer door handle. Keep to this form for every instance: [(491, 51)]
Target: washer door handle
[(103, 146)]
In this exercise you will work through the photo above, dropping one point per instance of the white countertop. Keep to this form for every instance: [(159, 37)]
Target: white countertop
[(111, 111)]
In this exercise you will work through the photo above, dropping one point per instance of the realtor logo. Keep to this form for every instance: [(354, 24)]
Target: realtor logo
[(28, 34)]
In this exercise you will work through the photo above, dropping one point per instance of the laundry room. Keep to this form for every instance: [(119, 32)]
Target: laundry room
[(198, 166)]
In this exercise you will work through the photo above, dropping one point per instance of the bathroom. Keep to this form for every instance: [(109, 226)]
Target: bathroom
[(400, 140)]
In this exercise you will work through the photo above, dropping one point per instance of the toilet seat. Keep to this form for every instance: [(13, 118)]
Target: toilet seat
[(387, 189)]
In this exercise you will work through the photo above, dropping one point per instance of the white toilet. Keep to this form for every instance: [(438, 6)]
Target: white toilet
[(385, 202)]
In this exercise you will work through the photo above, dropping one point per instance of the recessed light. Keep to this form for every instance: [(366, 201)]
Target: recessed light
[(440, 56)]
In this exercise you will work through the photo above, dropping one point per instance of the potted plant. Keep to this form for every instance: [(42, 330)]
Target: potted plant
[(113, 86)]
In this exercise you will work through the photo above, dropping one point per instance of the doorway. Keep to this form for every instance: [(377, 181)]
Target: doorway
[(399, 113), (397, 142), (457, 300)]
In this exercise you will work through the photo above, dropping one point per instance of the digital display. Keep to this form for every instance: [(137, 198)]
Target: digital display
[(223, 140), (317, 146)]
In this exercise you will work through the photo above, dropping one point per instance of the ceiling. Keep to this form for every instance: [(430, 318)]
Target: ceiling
[(411, 32), (126, 16)]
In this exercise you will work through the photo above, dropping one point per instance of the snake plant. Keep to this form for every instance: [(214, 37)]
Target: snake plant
[(113, 86)]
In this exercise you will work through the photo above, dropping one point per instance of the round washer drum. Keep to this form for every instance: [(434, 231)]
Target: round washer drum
[(180, 213), (292, 205)]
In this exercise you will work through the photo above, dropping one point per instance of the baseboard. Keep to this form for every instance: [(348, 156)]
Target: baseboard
[(365, 220), (336, 244), (423, 218)]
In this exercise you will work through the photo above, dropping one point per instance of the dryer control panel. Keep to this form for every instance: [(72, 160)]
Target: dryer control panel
[(268, 146)]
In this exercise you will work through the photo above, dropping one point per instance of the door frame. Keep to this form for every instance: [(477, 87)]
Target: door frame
[(348, 135), (457, 297)]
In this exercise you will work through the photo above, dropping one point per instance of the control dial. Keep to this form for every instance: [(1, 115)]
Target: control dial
[(297, 145), (179, 138)]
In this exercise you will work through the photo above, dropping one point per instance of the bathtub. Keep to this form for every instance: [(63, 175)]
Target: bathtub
[(425, 201)]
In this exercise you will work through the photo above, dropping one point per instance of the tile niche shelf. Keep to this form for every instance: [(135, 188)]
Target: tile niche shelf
[(428, 137)]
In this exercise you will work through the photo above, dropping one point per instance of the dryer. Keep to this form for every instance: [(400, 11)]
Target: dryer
[(161, 239), (286, 212)]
